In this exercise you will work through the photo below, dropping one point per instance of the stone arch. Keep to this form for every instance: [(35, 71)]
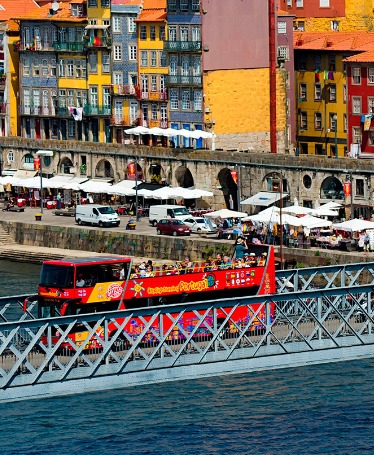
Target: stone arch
[(184, 177), (272, 182), (229, 188), (130, 171), (104, 169), (156, 173), (65, 165), (331, 188)]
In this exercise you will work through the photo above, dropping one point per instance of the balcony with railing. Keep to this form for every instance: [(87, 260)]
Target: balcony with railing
[(183, 80), (182, 45), (150, 123), (152, 96), (119, 120), (38, 110), (65, 46), (122, 90), (91, 109), (93, 42)]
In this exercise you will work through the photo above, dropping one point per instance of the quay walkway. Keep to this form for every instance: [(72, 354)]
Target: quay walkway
[(9, 249)]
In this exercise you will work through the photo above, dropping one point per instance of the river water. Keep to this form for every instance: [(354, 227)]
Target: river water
[(323, 409)]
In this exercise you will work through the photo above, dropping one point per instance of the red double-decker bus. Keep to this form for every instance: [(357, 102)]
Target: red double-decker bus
[(104, 284)]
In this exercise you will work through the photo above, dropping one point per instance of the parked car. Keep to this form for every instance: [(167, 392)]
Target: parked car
[(200, 224), (173, 227)]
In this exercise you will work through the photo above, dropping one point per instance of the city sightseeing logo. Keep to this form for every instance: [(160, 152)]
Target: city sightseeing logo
[(114, 291)]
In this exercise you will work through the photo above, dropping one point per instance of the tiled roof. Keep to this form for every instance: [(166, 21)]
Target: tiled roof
[(44, 13), (13, 8), (364, 57), (152, 15), (280, 12), (334, 41)]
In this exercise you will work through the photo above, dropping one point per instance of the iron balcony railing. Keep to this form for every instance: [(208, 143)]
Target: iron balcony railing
[(96, 41), (68, 46), (182, 45), (152, 96), (37, 110), (183, 80), (90, 109), (148, 344), (122, 89)]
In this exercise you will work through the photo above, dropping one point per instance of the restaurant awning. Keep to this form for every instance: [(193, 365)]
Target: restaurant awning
[(25, 173), (264, 198)]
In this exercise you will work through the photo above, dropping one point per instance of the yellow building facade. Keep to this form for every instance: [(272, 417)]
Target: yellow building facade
[(152, 69), (99, 47), (239, 102)]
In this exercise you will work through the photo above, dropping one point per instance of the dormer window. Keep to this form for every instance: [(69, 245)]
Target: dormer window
[(76, 10)]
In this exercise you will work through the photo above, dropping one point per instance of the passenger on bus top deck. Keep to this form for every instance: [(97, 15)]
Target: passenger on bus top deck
[(122, 273), (80, 281)]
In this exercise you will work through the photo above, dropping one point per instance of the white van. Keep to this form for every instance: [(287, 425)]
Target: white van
[(158, 212), (101, 215)]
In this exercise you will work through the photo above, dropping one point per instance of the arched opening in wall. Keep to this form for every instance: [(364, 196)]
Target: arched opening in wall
[(65, 165), (332, 188), (229, 187), (131, 174), (156, 173), (104, 170), (184, 177)]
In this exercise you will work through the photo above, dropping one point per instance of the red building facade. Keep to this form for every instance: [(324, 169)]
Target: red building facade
[(360, 103)]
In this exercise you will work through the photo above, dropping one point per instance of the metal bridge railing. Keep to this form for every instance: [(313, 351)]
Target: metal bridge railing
[(159, 339), (327, 277)]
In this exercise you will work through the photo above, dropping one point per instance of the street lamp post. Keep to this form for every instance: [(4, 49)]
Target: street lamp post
[(335, 117), (42, 153), (136, 189)]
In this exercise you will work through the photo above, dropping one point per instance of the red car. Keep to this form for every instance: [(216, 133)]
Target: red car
[(173, 227)]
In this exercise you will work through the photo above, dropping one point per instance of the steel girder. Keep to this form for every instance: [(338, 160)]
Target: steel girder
[(293, 329)]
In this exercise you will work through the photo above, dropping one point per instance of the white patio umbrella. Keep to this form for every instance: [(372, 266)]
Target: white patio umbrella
[(354, 225), (137, 130), (183, 132), (226, 213), (155, 131), (200, 134), (33, 182), (96, 187), (272, 215), (330, 205), (7, 179), (311, 222), (269, 215), (169, 132), (148, 194), (323, 211), (297, 209), (202, 193), (124, 188)]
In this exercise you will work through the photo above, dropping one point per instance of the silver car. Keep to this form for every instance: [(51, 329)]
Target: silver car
[(200, 224)]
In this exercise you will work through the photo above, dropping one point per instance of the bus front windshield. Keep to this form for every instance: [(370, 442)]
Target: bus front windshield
[(57, 276)]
